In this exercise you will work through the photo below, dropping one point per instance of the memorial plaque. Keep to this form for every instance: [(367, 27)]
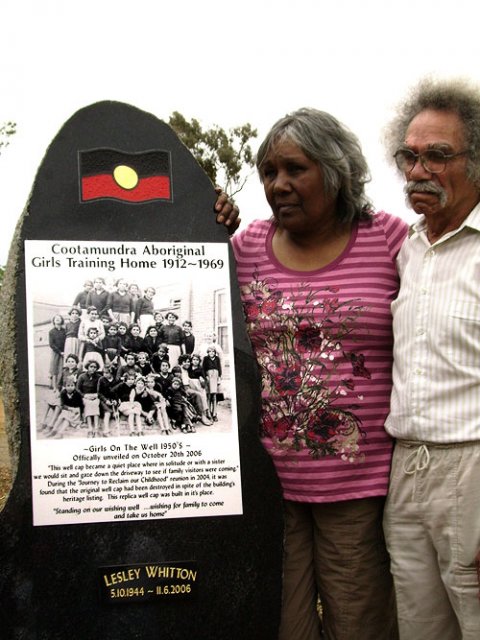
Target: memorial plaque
[(157, 520)]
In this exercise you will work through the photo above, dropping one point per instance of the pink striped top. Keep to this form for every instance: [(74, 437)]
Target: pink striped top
[(323, 341)]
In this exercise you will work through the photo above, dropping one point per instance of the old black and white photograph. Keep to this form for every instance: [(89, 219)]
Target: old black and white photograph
[(130, 352)]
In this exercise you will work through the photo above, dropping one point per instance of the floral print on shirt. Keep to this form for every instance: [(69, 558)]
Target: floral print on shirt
[(298, 342)]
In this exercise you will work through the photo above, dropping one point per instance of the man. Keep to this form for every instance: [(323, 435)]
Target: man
[(432, 517)]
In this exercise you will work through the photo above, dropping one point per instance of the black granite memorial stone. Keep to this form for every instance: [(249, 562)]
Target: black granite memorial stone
[(117, 175)]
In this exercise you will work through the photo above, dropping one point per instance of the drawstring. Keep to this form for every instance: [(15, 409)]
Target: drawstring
[(418, 460)]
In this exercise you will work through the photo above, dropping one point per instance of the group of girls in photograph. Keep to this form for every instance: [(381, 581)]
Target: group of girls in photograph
[(116, 361)]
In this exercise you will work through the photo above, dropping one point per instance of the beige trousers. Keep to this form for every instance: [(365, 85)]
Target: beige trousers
[(432, 528)]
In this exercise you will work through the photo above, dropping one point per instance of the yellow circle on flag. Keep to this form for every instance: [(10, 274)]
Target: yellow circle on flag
[(125, 176)]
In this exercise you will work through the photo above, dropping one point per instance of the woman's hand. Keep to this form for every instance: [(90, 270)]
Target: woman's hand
[(227, 212)]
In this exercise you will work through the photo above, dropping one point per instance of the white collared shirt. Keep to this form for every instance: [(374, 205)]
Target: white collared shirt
[(436, 322)]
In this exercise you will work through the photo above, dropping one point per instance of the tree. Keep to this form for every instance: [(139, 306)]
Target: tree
[(223, 155), (7, 129)]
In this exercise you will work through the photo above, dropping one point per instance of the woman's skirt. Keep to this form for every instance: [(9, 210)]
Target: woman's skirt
[(91, 405), (72, 416), (72, 345)]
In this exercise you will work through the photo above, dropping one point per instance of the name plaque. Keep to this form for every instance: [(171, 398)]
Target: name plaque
[(141, 582)]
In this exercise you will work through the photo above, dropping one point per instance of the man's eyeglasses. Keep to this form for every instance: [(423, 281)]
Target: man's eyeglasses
[(432, 160)]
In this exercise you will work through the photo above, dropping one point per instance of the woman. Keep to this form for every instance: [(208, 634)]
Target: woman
[(172, 335), (120, 305), (317, 281)]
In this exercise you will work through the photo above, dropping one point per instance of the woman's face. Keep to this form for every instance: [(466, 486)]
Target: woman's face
[(295, 191)]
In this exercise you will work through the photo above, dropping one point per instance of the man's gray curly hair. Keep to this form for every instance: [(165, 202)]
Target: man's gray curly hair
[(456, 95)]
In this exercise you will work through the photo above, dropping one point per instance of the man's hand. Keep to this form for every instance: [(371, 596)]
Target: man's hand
[(227, 212)]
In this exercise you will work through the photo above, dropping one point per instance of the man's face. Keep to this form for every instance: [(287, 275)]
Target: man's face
[(455, 194)]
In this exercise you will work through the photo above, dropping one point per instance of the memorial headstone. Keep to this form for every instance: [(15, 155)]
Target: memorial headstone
[(127, 529)]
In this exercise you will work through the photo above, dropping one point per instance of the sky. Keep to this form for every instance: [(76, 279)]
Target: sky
[(223, 63)]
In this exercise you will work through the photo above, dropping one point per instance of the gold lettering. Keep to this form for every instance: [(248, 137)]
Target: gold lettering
[(121, 576)]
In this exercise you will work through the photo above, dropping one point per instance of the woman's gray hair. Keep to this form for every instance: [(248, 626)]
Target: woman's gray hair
[(326, 141), (455, 95)]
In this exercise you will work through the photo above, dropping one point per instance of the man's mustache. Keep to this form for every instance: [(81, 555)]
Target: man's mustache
[(425, 186)]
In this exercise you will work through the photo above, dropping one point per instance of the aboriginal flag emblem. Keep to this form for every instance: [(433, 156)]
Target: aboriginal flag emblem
[(132, 177)]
